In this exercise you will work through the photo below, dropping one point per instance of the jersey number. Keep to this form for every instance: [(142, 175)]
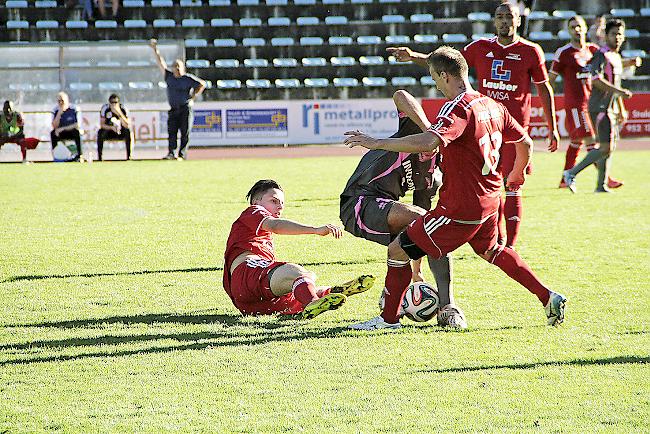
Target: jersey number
[(490, 153)]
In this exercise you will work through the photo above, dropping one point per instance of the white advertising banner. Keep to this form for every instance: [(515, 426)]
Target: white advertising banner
[(226, 123)]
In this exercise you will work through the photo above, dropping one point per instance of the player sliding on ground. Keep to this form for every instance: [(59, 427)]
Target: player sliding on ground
[(468, 132), (257, 283)]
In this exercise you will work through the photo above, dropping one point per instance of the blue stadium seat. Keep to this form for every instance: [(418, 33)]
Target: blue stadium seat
[(282, 42), (16, 4), (222, 22), (133, 3), (226, 63), (111, 85), (361, 2), (479, 16), (373, 81), (226, 42), (427, 80), (162, 3), (19, 65), (476, 36), (285, 62), (564, 14), (192, 22), (548, 57), (314, 61), (633, 53), (213, 3), (258, 83), (105, 24), (197, 63), (538, 15), (277, 2), (632, 33), (304, 2), (563, 35), (393, 61), (250, 22), (109, 64), (253, 42), (645, 12), (287, 83), (390, 1), (49, 87), (403, 81), (80, 86), (140, 85), (426, 39), (256, 63), (46, 4), (21, 86), (279, 21), (345, 82), (421, 18), (368, 40), (397, 39), (392, 19), (371, 60), (336, 20), (164, 23), (340, 40), (228, 84), (15, 24), (196, 43), (135, 24), (306, 41), (190, 3), (80, 64), (621, 13), (541, 36), (47, 24), (307, 21), (248, 2), (343, 61), (317, 82), (138, 63), (333, 2), (451, 38)]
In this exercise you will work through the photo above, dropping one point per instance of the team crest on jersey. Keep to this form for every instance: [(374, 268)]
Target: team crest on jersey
[(498, 73)]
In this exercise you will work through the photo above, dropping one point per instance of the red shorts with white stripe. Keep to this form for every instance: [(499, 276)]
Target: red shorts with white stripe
[(435, 235), (250, 290), (579, 124)]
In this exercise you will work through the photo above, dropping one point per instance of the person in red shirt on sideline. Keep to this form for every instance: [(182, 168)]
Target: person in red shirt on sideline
[(505, 66), (468, 132), (572, 63), (259, 284)]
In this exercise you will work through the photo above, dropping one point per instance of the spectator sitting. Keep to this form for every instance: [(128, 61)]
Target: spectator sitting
[(65, 124), (102, 8), (114, 124), (11, 130)]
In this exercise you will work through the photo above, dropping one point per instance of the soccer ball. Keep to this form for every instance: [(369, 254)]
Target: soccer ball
[(420, 302)]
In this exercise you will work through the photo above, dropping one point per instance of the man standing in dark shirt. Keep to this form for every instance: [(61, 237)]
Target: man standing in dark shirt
[(182, 90)]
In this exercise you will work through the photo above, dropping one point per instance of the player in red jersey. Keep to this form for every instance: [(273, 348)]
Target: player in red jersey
[(504, 67), (468, 132), (256, 282), (571, 62)]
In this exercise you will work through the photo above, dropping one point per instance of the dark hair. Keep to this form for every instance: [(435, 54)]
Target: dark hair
[(614, 23), (114, 96), (261, 187), (506, 4), (576, 18), (449, 60)]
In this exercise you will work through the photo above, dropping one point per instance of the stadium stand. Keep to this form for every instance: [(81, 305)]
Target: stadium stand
[(337, 46)]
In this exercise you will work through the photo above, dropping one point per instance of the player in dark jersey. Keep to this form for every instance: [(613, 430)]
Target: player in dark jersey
[(370, 206), (606, 107), (504, 67), (468, 133), (259, 284), (571, 62)]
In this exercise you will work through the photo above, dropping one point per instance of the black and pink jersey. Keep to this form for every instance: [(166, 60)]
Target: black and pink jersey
[(608, 65)]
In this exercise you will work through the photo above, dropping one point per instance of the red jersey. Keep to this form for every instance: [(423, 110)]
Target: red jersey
[(572, 64), (472, 128), (504, 72), (247, 234)]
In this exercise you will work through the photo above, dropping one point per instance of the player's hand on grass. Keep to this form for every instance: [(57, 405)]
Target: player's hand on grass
[(357, 138), (554, 141), (329, 229)]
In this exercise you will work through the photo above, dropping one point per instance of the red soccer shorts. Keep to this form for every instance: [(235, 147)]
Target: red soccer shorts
[(250, 290), (437, 235), (578, 124)]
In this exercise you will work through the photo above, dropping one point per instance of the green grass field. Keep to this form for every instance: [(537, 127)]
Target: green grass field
[(113, 318)]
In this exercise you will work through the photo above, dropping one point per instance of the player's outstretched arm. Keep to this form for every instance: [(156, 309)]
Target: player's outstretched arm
[(162, 65), (546, 95), (413, 144), (406, 103), (405, 54), (289, 227)]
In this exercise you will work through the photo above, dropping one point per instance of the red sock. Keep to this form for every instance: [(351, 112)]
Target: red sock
[(571, 155), (513, 211), (398, 278), (511, 263), (501, 231), (304, 290)]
